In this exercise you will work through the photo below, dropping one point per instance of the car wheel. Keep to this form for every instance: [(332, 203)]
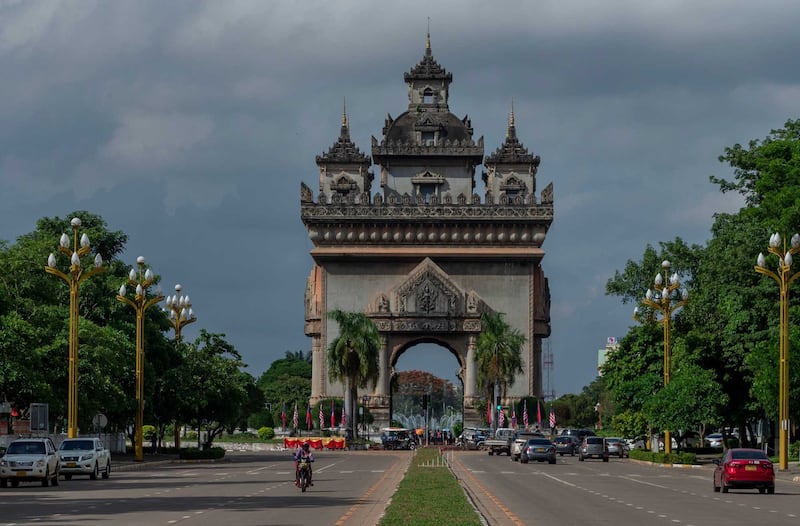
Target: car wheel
[(580, 458), (68, 476), (605, 459), (552, 461), (771, 490), (723, 485), (95, 471), (107, 471), (14, 483), (491, 452), (46, 479), (716, 488), (762, 490), (523, 459), (3, 483)]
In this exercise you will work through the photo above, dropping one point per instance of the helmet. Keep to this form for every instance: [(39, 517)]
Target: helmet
[(305, 446)]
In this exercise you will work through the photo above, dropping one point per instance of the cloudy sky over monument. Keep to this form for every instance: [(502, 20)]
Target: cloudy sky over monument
[(190, 125)]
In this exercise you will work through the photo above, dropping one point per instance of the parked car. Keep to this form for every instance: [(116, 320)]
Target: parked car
[(540, 449), (744, 468), (639, 442), (84, 456), (617, 447), (578, 434), (593, 447), (715, 440), (566, 445), (29, 459)]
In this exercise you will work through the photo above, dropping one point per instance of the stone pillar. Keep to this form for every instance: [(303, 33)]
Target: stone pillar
[(470, 380), (382, 388), (318, 368)]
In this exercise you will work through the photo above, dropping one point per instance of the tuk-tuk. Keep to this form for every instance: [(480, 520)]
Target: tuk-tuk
[(398, 438)]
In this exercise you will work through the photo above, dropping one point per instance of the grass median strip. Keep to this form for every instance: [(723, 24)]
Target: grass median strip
[(429, 494)]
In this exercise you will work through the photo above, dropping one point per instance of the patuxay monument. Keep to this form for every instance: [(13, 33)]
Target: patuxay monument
[(419, 251)]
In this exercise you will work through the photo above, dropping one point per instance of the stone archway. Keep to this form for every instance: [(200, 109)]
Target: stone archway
[(425, 255)]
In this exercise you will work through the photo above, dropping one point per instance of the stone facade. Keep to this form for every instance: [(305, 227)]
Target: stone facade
[(426, 255)]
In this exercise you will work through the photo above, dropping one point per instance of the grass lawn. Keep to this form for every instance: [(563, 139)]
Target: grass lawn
[(429, 495)]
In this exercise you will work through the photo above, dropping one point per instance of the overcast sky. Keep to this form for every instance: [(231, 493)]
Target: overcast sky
[(190, 125)]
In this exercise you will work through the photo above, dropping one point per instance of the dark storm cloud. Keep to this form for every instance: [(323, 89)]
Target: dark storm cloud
[(190, 125)]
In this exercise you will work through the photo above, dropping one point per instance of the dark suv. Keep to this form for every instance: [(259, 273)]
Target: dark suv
[(577, 434), (593, 447)]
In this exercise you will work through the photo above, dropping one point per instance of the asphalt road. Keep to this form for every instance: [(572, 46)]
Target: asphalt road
[(350, 488), (620, 492)]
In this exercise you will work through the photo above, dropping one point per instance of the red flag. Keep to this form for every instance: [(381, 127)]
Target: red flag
[(321, 418), (333, 414), (513, 417), (309, 420), (538, 414), (525, 414), (295, 416), (344, 417), (283, 415), (489, 414), (552, 418)]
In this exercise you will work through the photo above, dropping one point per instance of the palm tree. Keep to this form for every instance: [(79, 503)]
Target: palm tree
[(498, 354), (353, 357)]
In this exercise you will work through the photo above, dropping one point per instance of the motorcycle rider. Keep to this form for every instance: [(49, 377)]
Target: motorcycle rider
[(303, 452)]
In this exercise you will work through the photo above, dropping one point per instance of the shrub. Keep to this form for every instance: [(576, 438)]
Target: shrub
[(266, 433), (148, 432), (794, 450)]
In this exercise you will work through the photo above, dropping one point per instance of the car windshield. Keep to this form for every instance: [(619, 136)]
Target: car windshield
[(610, 440), (73, 445), (25, 448), (562, 440), (748, 455)]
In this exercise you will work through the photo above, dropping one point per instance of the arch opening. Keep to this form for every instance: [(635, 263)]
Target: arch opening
[(427, 367)]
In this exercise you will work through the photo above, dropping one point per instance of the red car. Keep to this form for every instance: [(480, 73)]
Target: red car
[(744, 468)]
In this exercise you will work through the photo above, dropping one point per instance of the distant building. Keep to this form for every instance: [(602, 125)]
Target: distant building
[(611, 346)]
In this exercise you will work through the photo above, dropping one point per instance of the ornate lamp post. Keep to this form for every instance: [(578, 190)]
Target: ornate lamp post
[(784, 277), (180, 314), (76, 275), (665, 298), (140, 303), (180, 311)]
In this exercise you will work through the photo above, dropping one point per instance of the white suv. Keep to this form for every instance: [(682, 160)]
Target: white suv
[(84, 456), (30, 459)]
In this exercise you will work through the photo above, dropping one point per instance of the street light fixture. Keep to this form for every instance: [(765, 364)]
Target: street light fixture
[(180, 311), (77, 274), (180, 314), (664, 297), (784, 277), (140, 303)]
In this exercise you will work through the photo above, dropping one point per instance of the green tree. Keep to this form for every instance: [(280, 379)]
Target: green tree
[(353, 357), (286, 382), (498, 354)]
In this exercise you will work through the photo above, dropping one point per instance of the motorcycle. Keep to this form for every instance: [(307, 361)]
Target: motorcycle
[(305, 474)]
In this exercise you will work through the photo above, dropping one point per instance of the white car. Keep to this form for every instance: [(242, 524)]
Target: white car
[(29, 459), (84, 456)]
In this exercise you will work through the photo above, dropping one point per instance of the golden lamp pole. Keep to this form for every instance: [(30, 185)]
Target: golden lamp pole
[(74, 278), (665, 298), (181, 314), (784, 277), (140, 303)]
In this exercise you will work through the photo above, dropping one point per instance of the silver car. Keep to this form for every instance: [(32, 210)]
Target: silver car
[(617, 447)]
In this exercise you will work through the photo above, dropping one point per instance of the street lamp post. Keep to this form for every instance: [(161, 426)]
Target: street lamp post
[(141, 281), (180, 314), (664, 298), (77, 274), (784, 277)]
